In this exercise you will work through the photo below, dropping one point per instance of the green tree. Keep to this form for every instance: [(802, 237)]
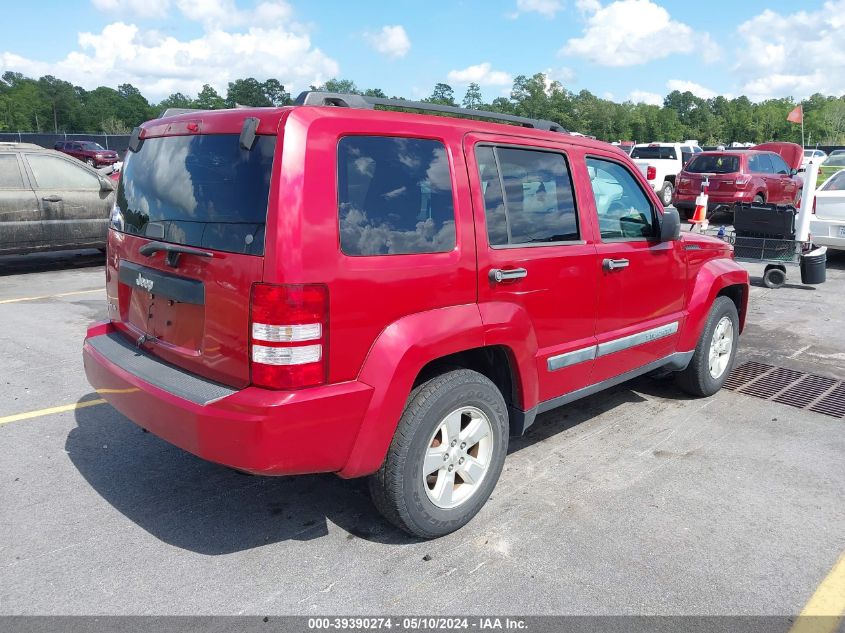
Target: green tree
[(176, 100), (246, 92), (209, 99), (472, 98), (343, 86), (276, 93), (442, 94)]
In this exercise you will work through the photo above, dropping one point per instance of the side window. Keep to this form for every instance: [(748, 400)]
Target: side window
[(755, 164), (537, 204), (10, 173), (766, 163), (686, 154), (56, 173), (624, 210), (394, 196), (779, 165)]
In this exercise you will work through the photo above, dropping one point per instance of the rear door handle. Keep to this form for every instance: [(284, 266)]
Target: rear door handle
[(52, 199), (614, 264), (497, 275)]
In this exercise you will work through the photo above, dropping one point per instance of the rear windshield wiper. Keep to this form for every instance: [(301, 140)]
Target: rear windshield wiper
[(173, 251)]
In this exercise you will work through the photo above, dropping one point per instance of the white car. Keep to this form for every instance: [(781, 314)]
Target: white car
[(827, 224), (816, 155)]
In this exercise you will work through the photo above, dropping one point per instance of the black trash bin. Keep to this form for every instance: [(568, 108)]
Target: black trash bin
[(814, 266)]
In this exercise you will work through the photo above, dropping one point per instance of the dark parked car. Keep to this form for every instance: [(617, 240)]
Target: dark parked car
[(88, 152), (766, 174), (49, 201)]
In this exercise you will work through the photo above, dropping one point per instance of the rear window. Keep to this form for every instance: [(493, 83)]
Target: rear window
[(664, 153), (713, 164), (202, 191), (394, 196), (10, 173)]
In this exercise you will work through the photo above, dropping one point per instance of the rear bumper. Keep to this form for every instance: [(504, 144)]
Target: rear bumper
[(256, 430), (715, 201), (828, 233)]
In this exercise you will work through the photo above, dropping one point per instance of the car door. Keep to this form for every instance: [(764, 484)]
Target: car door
[(787, 183), (20, 225), (642, 281), (74, 203), (535, 263)]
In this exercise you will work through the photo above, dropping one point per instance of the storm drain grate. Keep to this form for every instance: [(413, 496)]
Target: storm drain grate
[(745, 373), (771, 384), (833, 403), (788, 386)]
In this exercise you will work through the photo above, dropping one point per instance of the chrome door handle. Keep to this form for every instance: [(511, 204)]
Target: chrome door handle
[(497, 275), (52, 199), (614, 264)]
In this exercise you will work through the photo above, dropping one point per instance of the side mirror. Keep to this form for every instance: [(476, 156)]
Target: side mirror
[(106, 184), (793, 172), (670, 226)]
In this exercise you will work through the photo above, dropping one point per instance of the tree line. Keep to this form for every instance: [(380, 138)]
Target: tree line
[(49, 104)]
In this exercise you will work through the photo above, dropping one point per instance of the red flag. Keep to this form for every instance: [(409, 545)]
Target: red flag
[(797, 115)]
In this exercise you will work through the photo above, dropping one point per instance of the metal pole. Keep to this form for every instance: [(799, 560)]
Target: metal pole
[(802, 128), (808, 195)]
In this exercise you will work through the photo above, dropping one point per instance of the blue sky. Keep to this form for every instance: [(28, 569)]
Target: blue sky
[(619, 49)]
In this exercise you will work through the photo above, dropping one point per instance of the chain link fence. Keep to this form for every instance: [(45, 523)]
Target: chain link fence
[(116, 142)]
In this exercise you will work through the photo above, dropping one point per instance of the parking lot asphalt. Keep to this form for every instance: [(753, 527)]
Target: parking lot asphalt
[(638, 500)]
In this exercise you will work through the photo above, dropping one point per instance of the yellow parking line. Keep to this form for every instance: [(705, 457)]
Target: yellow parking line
[(62, 409), (827, 601), (61, 294)]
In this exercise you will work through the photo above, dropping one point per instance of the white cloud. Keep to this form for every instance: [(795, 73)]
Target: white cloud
[(391, 41), (795, 54), (649, 98), (482, 74), (547, 8), (632, 32), (268, 44), (141, 8), (588, 6), (690, 86), (563, 74)]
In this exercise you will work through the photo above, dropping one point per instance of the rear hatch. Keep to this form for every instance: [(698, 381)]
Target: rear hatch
[(720, 170), (187, 241)]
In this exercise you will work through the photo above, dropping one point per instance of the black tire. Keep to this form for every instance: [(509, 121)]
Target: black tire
[(666, 193), (759, 199), (398, 488), (90, 162), (774, 277), (696, 379)]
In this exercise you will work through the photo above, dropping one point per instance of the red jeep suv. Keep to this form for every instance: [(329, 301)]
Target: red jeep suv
[(329, 287), (766, 174), (88, 152)]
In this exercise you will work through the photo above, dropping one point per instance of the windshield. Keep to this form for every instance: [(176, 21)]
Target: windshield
[(834, 161), (96, 147), (202, 191), (713, 164), (654, 152)]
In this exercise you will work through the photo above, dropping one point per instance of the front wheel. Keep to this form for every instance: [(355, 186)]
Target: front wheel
[(90, 162), (714, 355), (446, 455)]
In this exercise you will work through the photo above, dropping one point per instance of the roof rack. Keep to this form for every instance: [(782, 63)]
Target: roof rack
[(319, 98)]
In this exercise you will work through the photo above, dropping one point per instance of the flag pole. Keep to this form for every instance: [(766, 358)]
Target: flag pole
[(802, 126)]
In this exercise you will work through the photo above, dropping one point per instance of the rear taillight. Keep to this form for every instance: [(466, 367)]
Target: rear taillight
[(651, 173), (742, 180), (288, 335)]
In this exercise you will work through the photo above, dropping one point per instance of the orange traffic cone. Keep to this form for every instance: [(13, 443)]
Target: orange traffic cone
[(699, 216)]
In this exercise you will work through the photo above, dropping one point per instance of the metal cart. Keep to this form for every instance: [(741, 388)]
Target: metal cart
[(776, 253)]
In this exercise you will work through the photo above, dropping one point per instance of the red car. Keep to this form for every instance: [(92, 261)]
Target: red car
[(341, 289), (88, 152), (768, 173)]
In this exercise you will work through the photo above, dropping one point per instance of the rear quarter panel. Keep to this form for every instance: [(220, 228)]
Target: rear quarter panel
[(366, 293)]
